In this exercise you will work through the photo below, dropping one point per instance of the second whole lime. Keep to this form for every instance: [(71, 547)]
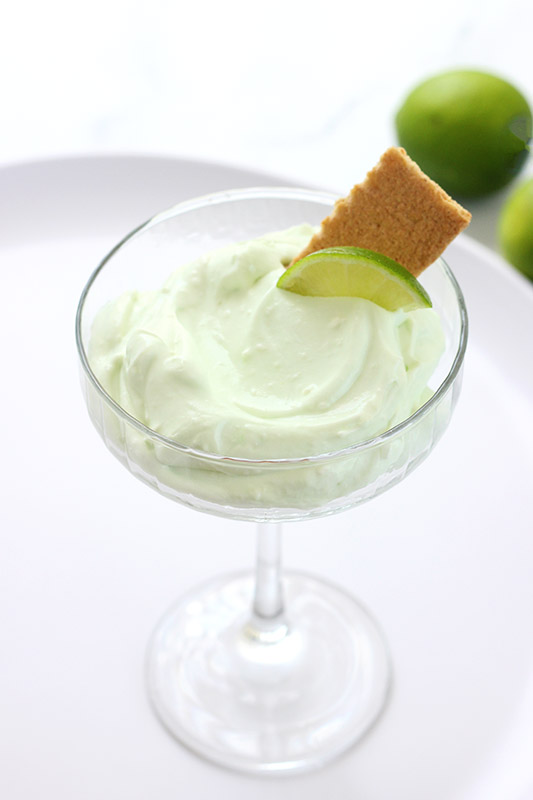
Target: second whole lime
[(515, 228), (466, 129)]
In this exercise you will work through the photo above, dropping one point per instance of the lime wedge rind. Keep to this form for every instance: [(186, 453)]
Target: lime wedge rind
[(355, 272)]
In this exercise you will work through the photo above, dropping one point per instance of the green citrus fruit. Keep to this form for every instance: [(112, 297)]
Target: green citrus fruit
[(467, 130), (516, 228), (355, 272)]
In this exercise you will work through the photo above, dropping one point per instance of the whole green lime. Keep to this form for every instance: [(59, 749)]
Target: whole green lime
[(516, 228), (468, 130)]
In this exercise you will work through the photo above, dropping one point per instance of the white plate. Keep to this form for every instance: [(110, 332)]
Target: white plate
[(91, 558)]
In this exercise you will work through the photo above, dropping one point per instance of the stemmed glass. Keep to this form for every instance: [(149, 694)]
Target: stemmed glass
[(264, 672)]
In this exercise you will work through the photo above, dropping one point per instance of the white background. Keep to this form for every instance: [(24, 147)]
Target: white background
[(89, 558), (305, 90)]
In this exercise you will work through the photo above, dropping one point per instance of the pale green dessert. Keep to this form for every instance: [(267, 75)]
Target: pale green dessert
[(223, 361)]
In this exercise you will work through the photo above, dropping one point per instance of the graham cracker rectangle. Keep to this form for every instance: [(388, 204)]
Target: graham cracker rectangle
[(398, 211)]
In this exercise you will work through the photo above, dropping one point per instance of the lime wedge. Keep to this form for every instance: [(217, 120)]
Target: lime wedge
[(355, 272)]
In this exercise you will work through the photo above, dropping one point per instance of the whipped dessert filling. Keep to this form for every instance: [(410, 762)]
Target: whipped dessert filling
[(222, 360)]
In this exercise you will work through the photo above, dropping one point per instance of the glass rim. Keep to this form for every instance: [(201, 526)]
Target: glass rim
[(281, 192)]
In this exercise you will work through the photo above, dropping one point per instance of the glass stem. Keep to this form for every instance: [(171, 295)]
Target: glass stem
[(268, 614)]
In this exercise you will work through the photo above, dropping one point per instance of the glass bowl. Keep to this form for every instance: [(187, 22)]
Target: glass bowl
[(261, 489)]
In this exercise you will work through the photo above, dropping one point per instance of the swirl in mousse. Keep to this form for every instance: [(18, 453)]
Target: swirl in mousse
[(222, 360)]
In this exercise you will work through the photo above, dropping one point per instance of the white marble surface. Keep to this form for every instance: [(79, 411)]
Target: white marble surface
[(88, 558), (302, 90)]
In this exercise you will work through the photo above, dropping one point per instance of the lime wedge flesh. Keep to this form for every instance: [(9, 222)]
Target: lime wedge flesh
[(355, 272)]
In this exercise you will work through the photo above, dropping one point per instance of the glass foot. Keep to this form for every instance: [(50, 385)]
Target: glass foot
[(273, 698)]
